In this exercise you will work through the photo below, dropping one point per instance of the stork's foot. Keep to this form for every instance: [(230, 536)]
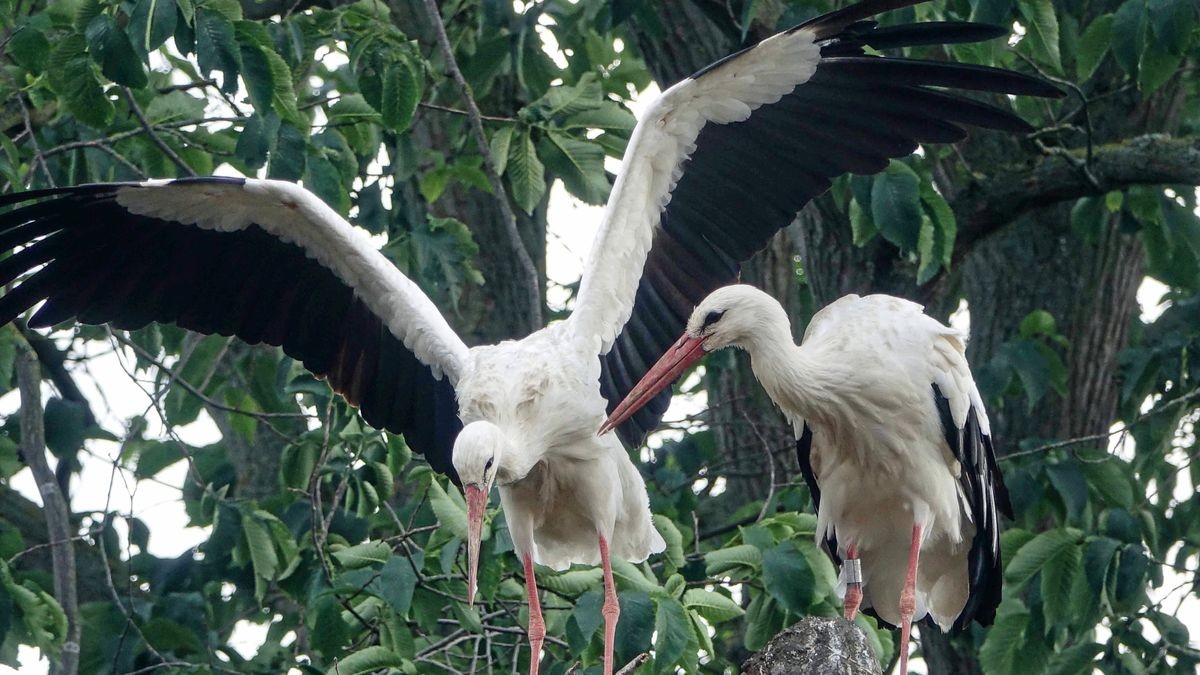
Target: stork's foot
[(611, 609)]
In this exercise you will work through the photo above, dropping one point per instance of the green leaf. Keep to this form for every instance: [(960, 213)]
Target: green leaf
[(608, 116), (571, 582), (580, 165), (1112, 480), (1031, 557), (498, 147), (633, 576), (673, 555), (672, 628), (861, 225), (396, 584), (1041, 31), (788, 578), (1076, 660), (1130, 575), (585, 619), (567, 100), (368, 660), (928, 263), (764, 619), (1171, 23), (526, 174), (255, 141), (1156, 67), (363, 555), (1058, 576), (289, 156), (400, 95), (29, 48), (451, 513), (1129, 35), (216, 48), (328, 632), (713, 606), (896, 205), (1068, 480), (152, 23), (945, 224), (742, 558), (1093, 45), (256, 73), (66, 426), (262, 550), (636, 625), (1001, 650), (69, 72)]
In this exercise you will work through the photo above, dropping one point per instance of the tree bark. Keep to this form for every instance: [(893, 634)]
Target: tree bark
[(54, 507)]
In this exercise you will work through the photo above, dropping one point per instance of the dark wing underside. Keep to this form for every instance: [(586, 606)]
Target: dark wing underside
[(101, 264), (747, 180), (987, 497)]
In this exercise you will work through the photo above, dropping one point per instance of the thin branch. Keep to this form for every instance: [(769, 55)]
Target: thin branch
[(1191, 395), (634, 664), (174, 378), (154, 138), (525, 263), (1153, 159), (38, 157), (54, 504), (464, 113)]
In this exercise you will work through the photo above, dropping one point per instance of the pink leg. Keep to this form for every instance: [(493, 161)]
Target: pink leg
[(853, 588), (908, 598), (611, 609), (537, 627)]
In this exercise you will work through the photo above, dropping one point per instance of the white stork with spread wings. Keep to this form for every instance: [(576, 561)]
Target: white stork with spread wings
[(715, 167), (892, 439)]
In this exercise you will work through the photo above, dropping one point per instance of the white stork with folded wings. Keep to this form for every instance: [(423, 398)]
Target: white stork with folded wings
[(716, 166)]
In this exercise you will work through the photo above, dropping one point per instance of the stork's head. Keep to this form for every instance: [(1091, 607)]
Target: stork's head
[(730, 316), (734, 316), (477, 453)]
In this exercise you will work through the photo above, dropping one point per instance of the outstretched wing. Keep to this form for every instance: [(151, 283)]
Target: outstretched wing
[(264, 260), (727, 157)]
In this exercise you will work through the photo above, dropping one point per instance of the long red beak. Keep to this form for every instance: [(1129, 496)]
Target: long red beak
[(686, 351), (476, 504)]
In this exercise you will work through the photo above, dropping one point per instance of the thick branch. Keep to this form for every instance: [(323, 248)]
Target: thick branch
[(58, 524), (528, 269), (1153, 159)]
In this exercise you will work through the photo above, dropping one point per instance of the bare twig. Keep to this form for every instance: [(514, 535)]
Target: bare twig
[(766, 448), (54, 504), (1191, 395), (38, 157), (525, 263), (633, 665), (154, 138), (464, 113)]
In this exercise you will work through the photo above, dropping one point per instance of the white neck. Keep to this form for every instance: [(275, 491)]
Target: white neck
[(800, 379)]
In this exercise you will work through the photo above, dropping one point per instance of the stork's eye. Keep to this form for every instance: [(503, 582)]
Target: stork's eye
[(488, 467), (712, 318)]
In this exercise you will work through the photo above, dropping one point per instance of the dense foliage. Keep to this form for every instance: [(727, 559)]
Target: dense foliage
[(351, 549)]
